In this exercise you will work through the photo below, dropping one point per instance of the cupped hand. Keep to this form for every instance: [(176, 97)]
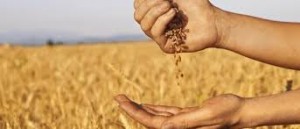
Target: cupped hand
[(199, 15), (216, 113)]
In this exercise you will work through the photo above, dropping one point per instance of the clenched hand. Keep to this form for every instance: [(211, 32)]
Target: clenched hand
[(199, 15)]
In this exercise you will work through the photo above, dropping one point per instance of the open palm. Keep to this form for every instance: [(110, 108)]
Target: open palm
[(216, 113)]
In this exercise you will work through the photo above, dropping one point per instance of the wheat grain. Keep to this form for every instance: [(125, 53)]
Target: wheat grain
[(176, 33)]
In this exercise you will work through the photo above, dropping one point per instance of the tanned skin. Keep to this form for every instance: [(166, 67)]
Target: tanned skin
[(272, 42)]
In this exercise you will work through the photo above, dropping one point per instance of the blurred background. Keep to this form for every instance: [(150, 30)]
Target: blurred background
[(78, 21), (72, 86)]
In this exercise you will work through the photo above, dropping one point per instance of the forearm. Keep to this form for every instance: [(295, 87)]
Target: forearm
[(272, 110), (276, 43)]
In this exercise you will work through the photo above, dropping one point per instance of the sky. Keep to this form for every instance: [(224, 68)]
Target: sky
[(105, 18)]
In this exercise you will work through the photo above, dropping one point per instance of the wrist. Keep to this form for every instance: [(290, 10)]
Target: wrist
[(266, 110), (255, 113), (223, 27), (247, 119)]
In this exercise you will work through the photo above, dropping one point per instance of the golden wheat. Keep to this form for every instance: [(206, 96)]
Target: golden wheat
[(72, 87)]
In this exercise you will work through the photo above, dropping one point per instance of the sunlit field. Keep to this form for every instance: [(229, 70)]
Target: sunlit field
[(72, 87)]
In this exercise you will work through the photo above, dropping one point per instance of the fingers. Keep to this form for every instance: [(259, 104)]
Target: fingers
[(159, 28), (147, 14), (162, 22), (154, 13), (137, 3), (160, 108), (155, 112), (189, 109), (137, 113), (154, 16), (144, 8), (199, 118), (133, 110)]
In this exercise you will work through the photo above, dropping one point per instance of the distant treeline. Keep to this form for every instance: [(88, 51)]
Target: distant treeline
[(51, 42)]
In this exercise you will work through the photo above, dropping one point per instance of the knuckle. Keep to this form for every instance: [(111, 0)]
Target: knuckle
[(137, 17), (145, 26)]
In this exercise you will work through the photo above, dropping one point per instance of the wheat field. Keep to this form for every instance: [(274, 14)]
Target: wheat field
[(72, 87)]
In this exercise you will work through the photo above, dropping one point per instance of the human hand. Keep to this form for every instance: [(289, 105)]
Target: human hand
[(199, 15), (216, 113)]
